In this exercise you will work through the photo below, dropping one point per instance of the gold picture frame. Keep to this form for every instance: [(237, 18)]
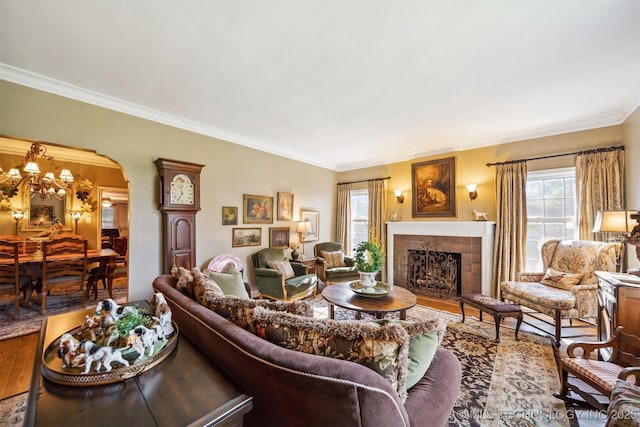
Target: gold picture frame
[(242, 237), (279, 237), (257, 209), (434, 188), (229, 215), (285, 206), (314, 219)]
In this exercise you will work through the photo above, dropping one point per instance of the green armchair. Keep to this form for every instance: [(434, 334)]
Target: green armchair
[(331, 264), (278, 278)]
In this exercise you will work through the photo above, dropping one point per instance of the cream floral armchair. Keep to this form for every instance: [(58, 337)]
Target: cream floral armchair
[(568, 289)]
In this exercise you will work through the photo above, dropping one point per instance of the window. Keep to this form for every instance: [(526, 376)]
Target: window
[(551, 210), (359, 217)]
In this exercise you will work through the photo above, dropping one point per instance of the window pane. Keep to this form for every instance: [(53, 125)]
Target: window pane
[(554, 208), (359, 218), (534, 189), (553, 188), (534, 208)]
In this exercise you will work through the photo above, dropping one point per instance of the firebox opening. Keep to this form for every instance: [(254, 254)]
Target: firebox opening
[(434, 273)]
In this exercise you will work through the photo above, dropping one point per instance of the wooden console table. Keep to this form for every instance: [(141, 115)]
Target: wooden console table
[(185, 389), (618, 297)]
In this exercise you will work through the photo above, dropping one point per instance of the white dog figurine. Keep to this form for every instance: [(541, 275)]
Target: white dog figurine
[(111, 307), (102, 355), (163, 313), (143, 340), (68, 350), (480, 216)]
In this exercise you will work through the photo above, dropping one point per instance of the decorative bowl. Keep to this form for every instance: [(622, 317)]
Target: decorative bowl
[(379, 290)]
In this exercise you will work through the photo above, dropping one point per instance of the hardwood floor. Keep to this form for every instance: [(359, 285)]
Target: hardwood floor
[(16, 362)]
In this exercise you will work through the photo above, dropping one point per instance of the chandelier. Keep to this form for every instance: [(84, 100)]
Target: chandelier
[(39, 176)]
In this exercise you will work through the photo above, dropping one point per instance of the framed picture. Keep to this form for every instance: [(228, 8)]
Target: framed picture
[(285, 206), (242, 237), (434, 188), (279, 237), (257, 209), (313, 217), (42, 216), (229, 215)]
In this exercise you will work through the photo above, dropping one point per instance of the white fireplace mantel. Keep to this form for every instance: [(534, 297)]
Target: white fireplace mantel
[(483, 229)]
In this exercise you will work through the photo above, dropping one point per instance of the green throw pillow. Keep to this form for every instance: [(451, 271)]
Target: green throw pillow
[(231, 284), (422, 347)]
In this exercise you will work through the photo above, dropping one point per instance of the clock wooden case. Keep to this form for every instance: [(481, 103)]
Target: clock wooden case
[(179, 202)]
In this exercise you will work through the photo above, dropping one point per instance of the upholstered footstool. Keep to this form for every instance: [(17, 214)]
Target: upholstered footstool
[(498, 309)]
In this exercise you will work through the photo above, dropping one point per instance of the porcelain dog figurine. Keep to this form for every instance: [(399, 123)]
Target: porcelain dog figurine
[(163, 313), (69, 350), (111, 307), (480, 216), (104, 356)]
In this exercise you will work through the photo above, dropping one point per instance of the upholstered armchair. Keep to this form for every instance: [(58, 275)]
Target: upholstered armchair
[(332, 265), (568, 288), (277, 278)]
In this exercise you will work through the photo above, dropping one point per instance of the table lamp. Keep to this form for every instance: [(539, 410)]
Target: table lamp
[(624, 225), (303, 227)]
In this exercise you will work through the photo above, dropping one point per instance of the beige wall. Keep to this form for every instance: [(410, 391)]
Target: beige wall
[(231, 171), (631, 135)]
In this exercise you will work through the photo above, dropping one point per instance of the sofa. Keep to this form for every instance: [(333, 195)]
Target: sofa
[(291, 388)]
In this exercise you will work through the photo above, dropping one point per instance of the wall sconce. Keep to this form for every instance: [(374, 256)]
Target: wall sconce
[(471, 188), (17, 215), (106, 203), (399, 196), (76, 215)]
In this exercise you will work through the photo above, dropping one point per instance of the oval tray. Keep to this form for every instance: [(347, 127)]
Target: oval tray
[(53, 370), (379, 290)]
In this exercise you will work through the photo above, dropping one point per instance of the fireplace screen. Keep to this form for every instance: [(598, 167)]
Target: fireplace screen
[(434, 273)]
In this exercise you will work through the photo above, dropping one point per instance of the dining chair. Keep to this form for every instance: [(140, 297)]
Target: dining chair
[(64, 263), (11, 281)]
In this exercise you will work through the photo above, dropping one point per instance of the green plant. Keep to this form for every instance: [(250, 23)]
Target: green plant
[(368, 256)]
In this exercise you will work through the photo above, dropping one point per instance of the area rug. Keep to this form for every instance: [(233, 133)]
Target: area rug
[(60, 301), (12, 410), (506, 384)]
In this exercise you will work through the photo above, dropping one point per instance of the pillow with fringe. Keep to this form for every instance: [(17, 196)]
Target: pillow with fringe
[(283, 267), (334, 259), (240, 310), (384, 349), (185, 281), (204, 287)]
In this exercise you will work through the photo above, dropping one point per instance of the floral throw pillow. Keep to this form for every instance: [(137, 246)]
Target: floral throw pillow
[(240, 310), (204, 287), (560, 279), (334, 259), (384, 349), (185, 281), (283, 267)]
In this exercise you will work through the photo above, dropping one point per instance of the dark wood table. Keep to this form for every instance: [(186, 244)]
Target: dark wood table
[(399, 299), (185, 389)]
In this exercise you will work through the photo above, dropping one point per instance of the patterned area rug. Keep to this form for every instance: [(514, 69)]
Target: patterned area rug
[(506, 384), (12, 410), (60, 301)]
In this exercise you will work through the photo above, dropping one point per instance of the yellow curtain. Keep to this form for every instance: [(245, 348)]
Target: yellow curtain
[(343, 217), (511, 223), (599, 186), (378, 214)]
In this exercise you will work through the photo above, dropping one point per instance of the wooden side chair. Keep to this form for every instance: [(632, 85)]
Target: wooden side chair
[(64, 262), (602, 376), (11, 281)]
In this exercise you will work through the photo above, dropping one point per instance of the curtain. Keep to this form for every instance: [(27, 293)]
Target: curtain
[(343, 217), (511, 223), (378, 214), (599, 187)]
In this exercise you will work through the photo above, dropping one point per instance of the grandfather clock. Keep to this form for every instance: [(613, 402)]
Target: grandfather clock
[(179, 203)]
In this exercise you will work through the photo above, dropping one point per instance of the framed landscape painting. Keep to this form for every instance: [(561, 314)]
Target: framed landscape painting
[(285, 206), (279, 237), (242, 237), (434, 188), (257, 209)]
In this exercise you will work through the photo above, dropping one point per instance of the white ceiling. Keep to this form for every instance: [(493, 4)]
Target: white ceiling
[(338, 84)]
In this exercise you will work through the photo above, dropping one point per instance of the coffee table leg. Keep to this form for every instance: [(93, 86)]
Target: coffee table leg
[(403, 314), (358, 315), (331, 314)]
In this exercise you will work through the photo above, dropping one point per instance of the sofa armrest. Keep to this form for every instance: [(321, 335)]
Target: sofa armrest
[(299, 269), (583, 288), (267, 272), (529, 277), (350, 262)]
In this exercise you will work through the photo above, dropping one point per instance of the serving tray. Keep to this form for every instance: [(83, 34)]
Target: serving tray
[(53, 370)]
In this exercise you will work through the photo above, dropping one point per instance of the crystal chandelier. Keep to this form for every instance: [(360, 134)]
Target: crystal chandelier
[(39, 178)]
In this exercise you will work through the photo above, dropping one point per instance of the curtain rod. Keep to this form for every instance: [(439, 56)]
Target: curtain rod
[(365, 180), (575, 153)]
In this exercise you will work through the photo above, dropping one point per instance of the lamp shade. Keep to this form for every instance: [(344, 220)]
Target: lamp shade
[(614, 221), (303, 227)]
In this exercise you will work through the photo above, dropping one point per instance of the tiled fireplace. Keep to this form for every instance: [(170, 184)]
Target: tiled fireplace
[(440, 258)]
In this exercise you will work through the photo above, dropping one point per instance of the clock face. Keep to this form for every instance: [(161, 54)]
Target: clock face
[(182, 190)]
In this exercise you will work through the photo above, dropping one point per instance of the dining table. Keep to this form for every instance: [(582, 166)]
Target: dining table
[(105, 259)]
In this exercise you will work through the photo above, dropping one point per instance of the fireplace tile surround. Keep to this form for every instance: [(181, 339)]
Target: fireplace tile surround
[(472, 239)]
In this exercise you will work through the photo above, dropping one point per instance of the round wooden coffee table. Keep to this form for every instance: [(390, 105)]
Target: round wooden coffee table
[(399, 299)]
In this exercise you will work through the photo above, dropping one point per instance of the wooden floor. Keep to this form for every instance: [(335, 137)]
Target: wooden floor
[(16, 362)]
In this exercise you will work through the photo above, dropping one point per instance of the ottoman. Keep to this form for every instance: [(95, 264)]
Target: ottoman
[(498, 309)]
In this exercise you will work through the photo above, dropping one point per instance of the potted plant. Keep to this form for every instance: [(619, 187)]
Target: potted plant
[(368, 259)]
